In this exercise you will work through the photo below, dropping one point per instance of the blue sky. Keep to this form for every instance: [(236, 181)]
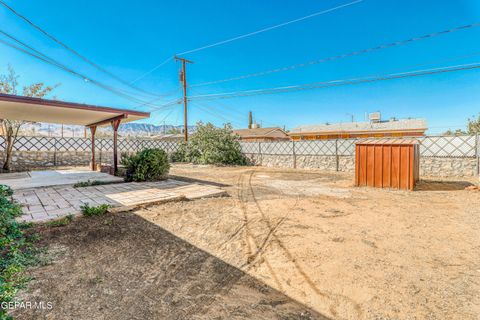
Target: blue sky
[(129, 38)]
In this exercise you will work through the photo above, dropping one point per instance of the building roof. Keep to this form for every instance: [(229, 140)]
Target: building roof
[(15, 107), (391, 125), (274, 132)]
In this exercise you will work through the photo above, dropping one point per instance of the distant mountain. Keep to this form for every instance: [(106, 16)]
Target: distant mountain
[(125, 130), (146, 129)]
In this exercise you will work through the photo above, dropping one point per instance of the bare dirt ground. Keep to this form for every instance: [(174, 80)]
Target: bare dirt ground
[(285, 245)]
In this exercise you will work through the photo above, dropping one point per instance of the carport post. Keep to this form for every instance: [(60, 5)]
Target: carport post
[(93, 129), (115, 124)]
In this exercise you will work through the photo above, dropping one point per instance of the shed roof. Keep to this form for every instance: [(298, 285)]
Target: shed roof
[(393, 125), (15, 107), (389, 141)]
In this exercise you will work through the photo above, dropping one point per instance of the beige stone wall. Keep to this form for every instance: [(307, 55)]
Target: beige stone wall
[(317, 162), (25, 160), (281, 161), (429, 166), (448, 167)]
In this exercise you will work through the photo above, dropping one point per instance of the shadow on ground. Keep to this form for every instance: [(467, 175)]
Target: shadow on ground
[(122, 267), (438, 185), (194, 180)]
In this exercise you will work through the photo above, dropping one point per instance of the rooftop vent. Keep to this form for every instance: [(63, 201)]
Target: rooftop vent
[(374, 117)]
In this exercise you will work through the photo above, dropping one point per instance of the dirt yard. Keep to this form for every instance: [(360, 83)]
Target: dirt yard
[(285, 245)]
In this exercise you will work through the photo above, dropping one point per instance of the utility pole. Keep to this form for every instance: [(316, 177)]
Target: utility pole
[(352, 116), (183, 80)]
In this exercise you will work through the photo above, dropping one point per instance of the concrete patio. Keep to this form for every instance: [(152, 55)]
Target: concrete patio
[(48, 203), (46, 178)]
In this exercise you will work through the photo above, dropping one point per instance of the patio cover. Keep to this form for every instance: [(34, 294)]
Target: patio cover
[(14, 107), (54, 111)]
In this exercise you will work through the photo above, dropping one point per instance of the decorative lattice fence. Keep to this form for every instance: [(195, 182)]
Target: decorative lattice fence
[(85, 144), (56, 151), (432, 146)]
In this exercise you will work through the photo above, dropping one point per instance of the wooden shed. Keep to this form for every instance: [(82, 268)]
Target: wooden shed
[(387, 163)]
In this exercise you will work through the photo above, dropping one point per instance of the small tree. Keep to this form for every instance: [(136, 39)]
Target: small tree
[(9, 85), (473, 126), (211, 145)]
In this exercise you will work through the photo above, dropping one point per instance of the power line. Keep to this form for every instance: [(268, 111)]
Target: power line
[(228, 108), (240, 115), (245, 36), (229, 111), (270, 28), (215, 114), (335, 83), (47, 59), (168, 114), (153, 69), (341, 56), (90, 62), (40, 56), (232, 118), (163, 106), (171, 92)]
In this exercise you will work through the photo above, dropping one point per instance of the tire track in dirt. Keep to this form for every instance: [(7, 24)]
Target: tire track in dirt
[(336, 301), (244, 190), (226, 283), (249, 239)]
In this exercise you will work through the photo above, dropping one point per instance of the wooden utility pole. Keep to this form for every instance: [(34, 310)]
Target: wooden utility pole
[(183, 80)]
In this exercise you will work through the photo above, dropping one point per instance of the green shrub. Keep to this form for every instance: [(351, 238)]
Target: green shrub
[(5, 191), (181, 154), (16, 249), (211, 145), (147, 165), (89, 211)]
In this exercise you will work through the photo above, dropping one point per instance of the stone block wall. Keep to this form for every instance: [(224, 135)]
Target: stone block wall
[(24, 160), (448, 167), (345, 163), (73, 158), (317, 162), (281, 161), (429, 166)]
